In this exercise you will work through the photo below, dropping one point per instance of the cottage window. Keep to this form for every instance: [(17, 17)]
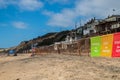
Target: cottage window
[(91, 31), (118, 19)]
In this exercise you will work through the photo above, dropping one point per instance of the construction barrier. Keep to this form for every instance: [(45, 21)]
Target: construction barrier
[(116, 45), (99, 46), (106, 45), (95, 46)]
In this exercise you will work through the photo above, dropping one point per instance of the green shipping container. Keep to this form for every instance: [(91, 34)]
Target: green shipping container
[(95, 46)]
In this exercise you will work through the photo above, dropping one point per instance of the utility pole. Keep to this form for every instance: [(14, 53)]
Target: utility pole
[(80, 23), (75, 30)]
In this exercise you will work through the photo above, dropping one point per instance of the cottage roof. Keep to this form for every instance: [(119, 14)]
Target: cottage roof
[(110, 19), (114, 16)]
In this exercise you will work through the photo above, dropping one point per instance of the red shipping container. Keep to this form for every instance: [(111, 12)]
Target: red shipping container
[(116, 45)]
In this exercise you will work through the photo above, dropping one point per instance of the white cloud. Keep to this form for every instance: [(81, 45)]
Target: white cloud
[(64, 19), (19, 25), (58, 1), (100, 8), (84, 8), (47, 13), (2, 4), (29, 5)]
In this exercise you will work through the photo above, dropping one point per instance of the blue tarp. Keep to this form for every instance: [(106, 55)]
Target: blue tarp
[(11, 52)]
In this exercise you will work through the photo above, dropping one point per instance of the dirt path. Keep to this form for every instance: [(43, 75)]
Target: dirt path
[(58, 67)]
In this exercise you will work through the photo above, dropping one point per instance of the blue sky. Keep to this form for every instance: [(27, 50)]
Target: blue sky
[(22, 20)]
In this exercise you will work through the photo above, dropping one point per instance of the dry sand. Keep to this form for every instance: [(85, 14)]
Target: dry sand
[(58, 67)]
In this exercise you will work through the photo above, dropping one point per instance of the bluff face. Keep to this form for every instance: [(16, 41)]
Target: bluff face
[(47, 39)]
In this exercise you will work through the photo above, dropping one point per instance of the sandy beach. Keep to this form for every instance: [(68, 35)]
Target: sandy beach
[(58, 67)]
